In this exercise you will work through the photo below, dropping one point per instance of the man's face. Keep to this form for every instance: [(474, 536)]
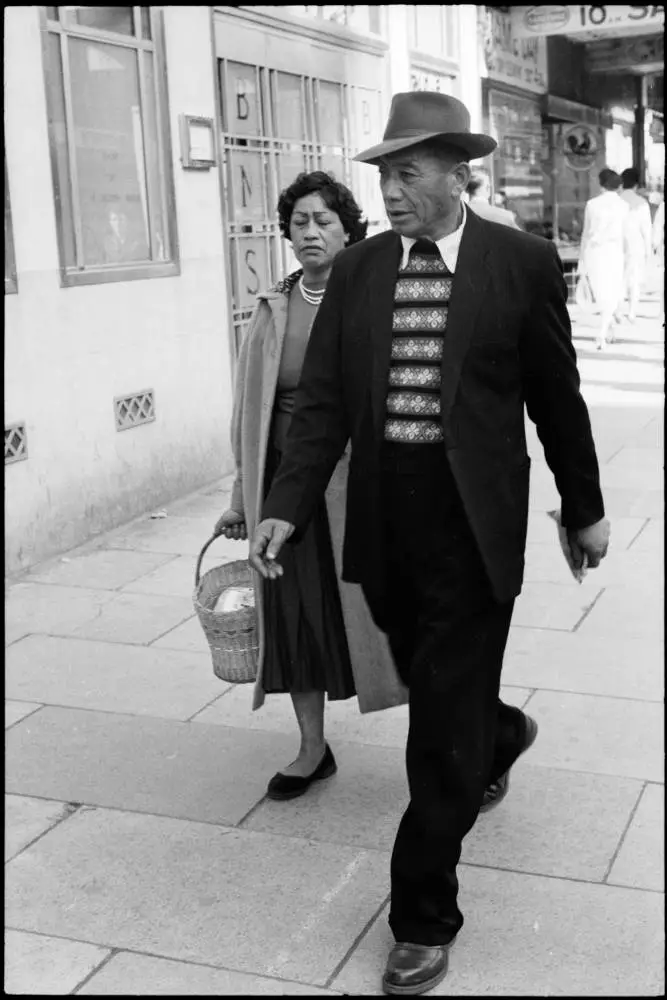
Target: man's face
[(422, 191)]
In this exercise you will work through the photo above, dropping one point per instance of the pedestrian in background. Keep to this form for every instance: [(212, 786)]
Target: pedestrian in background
[(429, 341), (638, 252), (316, 635), (479, 199), (603, 252)]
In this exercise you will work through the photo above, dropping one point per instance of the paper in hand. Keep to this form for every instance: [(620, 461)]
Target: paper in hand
[(578, 572)]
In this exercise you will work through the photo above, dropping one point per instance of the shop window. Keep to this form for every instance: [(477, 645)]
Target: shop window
[(110, 146), (10, 261)]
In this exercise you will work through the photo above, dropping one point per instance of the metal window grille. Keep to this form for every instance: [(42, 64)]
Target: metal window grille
[(135, 409), (16, 443), (276, 124)]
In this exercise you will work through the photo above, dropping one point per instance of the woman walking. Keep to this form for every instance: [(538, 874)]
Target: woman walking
[(316, 635)]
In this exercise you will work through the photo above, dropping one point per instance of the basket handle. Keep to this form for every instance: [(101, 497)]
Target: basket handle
[(213, 537)]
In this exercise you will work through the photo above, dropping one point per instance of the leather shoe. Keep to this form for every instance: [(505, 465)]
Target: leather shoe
[(495, 792), (415, 968), (287, 786)]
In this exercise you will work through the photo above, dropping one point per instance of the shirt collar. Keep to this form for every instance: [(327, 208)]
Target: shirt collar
[(447, 245)]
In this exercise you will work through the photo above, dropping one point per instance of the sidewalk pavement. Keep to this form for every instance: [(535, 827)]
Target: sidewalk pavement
[(143, 859)]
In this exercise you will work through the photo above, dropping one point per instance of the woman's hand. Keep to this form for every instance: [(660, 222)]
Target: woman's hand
[(232, 525)]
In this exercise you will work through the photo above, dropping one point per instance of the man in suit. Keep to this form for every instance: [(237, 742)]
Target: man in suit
[(478, 190), (429, 341)]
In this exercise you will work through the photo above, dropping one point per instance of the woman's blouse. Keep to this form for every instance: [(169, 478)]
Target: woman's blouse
[(300, 317)]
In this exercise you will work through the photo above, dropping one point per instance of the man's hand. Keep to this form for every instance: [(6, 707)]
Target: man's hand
[(593, 541), (269, 539), (231, 524)]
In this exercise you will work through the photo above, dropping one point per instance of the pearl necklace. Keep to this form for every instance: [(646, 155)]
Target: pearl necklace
[(312, 298)]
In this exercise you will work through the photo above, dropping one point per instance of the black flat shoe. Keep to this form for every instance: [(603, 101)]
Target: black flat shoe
[(414, 968), (495, 792), (286, 786)]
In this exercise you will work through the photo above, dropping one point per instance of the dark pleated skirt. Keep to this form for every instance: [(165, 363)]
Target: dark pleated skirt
[(306, 646)]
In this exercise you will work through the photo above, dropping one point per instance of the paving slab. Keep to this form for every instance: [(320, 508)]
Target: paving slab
[(177, 577), (38, 607), (27, 818), (189, 637), (643, 466), (641, 859), (343, 721), (627, 502), (176, 535), (651, 537), (622, 666), (36, 965), (105, 569), (17, 710), (645, 476), (561, 823), (526, 935), (652, 435), (207, 773), (134, 618), (615, 736), (542, 530), (553, 823), (110, 677), (128, 974), (251, 902), (554, 605), (360, 806), (636, 609)]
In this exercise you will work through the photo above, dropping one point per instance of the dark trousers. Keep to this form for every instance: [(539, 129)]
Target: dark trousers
[(448, 636)]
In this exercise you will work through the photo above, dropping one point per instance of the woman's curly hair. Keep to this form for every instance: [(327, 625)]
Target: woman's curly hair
[(335, 196)]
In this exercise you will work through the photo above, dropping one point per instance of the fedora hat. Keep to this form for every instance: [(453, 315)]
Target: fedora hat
[(424, 114)]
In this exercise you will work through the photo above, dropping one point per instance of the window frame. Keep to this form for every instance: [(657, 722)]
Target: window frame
[(11, 279), (80, 273)]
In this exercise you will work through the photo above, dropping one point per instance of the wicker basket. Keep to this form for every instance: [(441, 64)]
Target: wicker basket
[(232, 635)]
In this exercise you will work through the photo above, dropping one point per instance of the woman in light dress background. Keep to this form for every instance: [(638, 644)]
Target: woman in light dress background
[(604, 248)]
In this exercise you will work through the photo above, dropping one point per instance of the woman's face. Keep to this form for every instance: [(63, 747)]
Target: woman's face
[(316, 233)]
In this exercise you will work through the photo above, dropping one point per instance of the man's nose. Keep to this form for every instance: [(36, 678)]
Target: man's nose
[(391, 190)]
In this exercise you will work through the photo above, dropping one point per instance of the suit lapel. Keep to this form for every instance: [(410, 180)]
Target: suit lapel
[(381, 286), (468, 292)]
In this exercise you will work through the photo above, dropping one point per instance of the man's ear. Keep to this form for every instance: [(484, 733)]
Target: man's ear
[(346, 238), (461, 174)]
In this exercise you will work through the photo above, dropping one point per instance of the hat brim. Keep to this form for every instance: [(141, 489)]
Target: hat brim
[(471, 143)]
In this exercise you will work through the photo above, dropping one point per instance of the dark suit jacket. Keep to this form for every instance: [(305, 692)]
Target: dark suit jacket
[(507, 343)]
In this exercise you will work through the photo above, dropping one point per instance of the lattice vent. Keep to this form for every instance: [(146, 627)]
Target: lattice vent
[(130, 411), (16, 443)]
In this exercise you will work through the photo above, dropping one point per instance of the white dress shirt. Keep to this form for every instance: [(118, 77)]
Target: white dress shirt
[(447, 245)]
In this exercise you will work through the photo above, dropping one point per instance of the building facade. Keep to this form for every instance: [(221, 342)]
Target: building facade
[(145, 148)]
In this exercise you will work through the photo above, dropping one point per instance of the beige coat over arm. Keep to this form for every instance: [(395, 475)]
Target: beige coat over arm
[(376, 680)]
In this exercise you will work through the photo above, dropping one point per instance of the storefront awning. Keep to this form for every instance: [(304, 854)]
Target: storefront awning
[(558, 109)]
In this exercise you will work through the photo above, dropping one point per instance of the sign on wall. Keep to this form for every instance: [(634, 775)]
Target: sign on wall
[(572, 19), (614, 54), (421, 79), (521, 62), (581, 145)]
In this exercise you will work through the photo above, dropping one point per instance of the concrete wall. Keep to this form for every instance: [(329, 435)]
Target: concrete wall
[(69, 351)]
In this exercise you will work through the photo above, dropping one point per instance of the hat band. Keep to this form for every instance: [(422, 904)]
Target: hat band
[(408, 133)]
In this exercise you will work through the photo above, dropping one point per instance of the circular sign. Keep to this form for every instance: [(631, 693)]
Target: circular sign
[(580, 146)]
